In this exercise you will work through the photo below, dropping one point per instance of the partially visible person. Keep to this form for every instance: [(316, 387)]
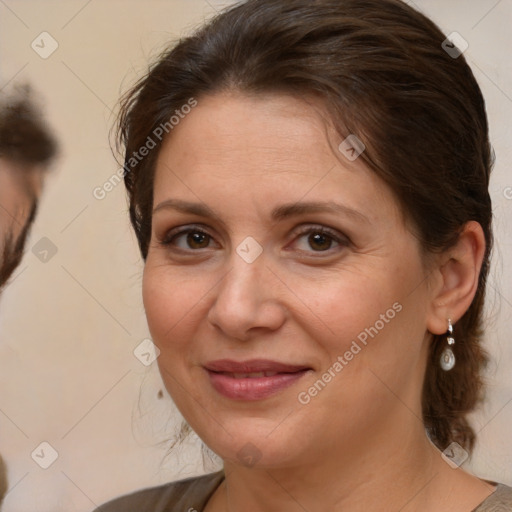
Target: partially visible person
[(27, 147)]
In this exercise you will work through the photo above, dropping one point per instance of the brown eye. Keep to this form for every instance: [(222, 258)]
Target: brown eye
[(188, 240), (197, 240), (320, 241)]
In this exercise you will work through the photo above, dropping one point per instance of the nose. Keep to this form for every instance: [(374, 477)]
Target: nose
[(247, 301)]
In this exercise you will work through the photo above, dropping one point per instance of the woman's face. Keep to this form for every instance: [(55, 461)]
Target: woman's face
[(285, 293)]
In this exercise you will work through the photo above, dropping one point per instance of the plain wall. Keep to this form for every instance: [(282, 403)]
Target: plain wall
[(68, 326)]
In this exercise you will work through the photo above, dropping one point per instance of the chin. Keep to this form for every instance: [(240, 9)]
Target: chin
[(252, 443)]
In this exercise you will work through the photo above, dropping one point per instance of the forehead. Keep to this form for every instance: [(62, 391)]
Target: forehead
[(261, 150), (19, 189), (249, 128), (20, 179)]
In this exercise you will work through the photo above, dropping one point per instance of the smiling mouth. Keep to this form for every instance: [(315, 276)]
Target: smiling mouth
[(252, 366), (252, 380)]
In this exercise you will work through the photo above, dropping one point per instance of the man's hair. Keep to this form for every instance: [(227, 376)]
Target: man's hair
[(24, 135)]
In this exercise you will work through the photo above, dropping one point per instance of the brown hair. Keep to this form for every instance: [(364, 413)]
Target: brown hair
[(381, 71), (24, 135)]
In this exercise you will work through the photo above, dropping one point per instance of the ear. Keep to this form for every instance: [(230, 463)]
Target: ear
[(456, 278)]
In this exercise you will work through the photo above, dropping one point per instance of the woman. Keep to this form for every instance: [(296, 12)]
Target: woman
[(308, 182)]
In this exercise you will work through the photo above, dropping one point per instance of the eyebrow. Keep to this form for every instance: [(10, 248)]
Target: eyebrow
[(282, 212), (295, 209), (199, 209)]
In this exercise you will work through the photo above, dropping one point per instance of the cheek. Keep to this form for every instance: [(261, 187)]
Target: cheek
[(171, 304), (367, 318), (341, 307), (173, 307)]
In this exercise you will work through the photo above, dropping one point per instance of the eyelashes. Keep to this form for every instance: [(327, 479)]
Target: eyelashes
[(312, 239), (194, 233), (320, 237)]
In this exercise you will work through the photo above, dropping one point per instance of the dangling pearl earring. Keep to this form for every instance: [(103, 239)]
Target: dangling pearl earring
[(447, 357)]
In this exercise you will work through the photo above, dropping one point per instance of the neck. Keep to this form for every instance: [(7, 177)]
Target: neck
[(382, 472)]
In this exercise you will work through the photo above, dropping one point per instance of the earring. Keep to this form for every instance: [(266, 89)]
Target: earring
[(447, 357)]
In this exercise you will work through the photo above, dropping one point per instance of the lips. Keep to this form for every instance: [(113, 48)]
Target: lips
[(256, 379), (253, 375)]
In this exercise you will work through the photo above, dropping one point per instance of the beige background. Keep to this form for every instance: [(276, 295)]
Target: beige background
[(68, 326)]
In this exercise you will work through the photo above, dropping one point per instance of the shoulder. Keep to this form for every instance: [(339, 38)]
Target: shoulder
[(499, 501), (186, 495)]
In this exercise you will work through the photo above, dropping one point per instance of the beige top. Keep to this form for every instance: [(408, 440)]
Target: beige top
[(192, 494)]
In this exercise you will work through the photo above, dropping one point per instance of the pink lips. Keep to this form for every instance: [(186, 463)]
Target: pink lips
[(252, 380)]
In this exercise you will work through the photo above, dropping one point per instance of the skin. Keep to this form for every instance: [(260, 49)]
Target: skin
[(20, 188), (243, 157)]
